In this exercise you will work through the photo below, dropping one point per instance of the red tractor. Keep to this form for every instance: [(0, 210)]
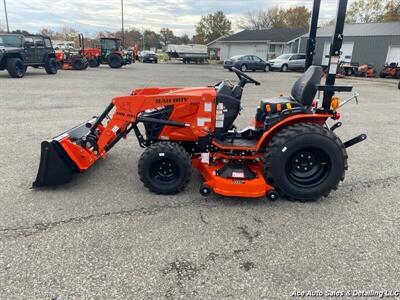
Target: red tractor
[(290, 151), (110, 52), (73, 59), (390, 70)]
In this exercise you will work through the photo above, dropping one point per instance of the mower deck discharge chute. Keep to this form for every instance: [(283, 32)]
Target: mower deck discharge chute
[(290, 151)]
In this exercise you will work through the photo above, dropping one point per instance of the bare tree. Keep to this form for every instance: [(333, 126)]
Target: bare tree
[(297, 17)]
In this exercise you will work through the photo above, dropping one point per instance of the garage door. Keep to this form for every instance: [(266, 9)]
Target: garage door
[(393, 54), (346, 56), (325, 55), (258, 50), (347, 52)]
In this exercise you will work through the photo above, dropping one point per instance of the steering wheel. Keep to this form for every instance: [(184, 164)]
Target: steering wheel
[(244, 78)]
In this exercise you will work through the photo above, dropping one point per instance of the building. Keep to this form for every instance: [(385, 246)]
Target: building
[(373, 43), (266, 44)]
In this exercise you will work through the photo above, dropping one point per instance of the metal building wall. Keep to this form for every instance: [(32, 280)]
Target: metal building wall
[(367, 49)]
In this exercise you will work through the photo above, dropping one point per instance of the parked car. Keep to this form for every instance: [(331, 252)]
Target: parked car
[(245, 63), (148, 56), (18, 51), (286, 62)]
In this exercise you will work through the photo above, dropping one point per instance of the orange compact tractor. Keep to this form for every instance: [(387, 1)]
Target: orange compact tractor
[(290, 151), (390, 70), (73, 59), (366, 70)]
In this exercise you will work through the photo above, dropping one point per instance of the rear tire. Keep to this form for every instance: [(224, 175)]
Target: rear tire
[(115, 61), (305, 162), (51, 66), (93, 63), (165, 168), (78, 64), (16, 67)]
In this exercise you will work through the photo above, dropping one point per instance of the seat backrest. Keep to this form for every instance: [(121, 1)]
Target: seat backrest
[(304, 89)]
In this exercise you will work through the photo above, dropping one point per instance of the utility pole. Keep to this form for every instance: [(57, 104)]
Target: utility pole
[(5, 12), (122, 19)]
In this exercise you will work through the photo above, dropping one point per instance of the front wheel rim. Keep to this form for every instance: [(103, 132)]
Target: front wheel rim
[(308, 167), (164, 171)]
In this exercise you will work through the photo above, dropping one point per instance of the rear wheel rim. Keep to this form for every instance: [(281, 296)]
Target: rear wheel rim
[(308, 167), (164, 171)]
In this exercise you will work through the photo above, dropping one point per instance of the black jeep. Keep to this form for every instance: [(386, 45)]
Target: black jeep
[(18, 51)]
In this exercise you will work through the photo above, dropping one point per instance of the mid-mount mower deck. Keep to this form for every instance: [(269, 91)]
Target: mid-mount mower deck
[(290, 151)]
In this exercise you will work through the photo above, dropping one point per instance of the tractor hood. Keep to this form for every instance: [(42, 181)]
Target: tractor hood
[(175, 91)]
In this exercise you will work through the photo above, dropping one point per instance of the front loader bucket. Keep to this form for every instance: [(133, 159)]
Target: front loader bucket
[(56, 166)]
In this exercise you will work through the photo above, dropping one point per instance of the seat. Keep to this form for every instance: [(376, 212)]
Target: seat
[(228, 108), (305, 88), (303, 94)]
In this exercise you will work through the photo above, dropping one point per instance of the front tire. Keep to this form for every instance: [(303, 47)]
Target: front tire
[(284, 68), (305, 162), (115, 61), (16, 67), (51, 66), (243, 68), (165, 168), (267, 68)]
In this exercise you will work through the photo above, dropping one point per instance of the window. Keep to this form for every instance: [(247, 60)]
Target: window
[(272, 48), (110, 44), (10, 40), (257, 59), (39, 42), (47, 43), (284, 56)]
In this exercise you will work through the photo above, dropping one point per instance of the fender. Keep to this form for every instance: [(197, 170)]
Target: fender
[(300, 118)]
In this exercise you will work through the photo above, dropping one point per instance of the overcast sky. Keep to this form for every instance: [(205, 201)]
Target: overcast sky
[(90, 16)]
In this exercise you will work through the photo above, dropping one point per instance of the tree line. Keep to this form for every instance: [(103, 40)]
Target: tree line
[(216, 25)]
